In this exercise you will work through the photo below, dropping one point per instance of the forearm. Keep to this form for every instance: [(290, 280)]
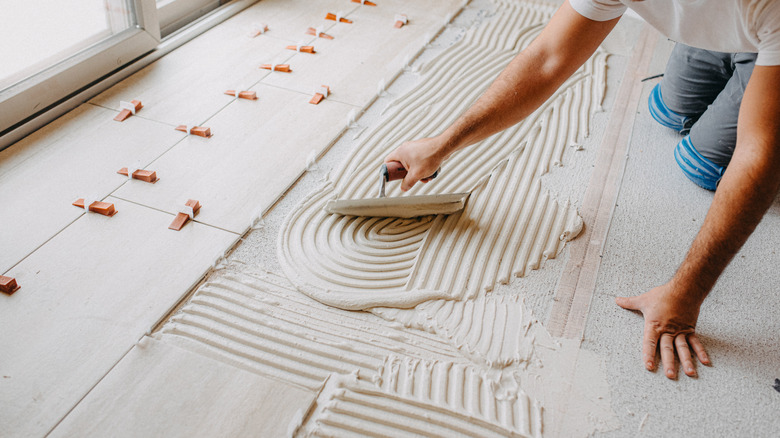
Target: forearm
[(515, 94), (744, 195), (746, 191), (530, 78)]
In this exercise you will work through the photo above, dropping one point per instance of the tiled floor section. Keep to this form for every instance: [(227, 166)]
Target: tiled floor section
[(162, 390), (258, 149), (75, 157), (93, 285), (87, 296)]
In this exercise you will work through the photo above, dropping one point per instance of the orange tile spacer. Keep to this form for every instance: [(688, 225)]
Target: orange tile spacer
[(104, 208), (258, 30), (149, 176), (304, 49), (285, 68), (318, 33), (128, 109), (364, 2), (248, 95), (200, 131), (8, 285), (189, 211), (401, 20), (337, 17), (321, 93)]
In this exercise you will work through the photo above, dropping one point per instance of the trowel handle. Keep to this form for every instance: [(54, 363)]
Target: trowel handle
[(394, 170)]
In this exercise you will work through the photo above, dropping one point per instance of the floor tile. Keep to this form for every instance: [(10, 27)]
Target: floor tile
[(187, 86), (258, 149), (162, 390), (363, 53), (289, 19), (74, 157), (87, 296)]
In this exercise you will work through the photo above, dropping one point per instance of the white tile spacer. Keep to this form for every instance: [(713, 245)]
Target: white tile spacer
[(311, 161), (130, 171), (351, 117), (339, 16), (89, 200), (188, 210), (258, 223), (324, 90), (127, 105), (259, 29)]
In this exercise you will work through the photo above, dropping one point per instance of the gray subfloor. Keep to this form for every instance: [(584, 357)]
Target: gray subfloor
[(658, 214)]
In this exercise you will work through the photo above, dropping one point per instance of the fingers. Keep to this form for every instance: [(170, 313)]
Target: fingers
[(681, 344), (393, 156), (649, 344), (628, 303), (410, 180), (698, 348), (667, 355)]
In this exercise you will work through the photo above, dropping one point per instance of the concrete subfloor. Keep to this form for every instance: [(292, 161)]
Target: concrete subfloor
[(657, 216)]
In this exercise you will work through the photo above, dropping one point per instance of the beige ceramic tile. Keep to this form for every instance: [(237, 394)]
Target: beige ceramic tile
[(87, 296), (258, 149), (365, 52), (76, 156), (289, 19), (162, 390), (187, 86)]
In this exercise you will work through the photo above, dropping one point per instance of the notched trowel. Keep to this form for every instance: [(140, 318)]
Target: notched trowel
[(403, 206)]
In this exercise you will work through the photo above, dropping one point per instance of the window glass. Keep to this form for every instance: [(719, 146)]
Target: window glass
[(37, 34)]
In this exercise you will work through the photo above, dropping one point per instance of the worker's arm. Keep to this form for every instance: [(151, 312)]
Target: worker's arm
[(746, 191), (567, 41)]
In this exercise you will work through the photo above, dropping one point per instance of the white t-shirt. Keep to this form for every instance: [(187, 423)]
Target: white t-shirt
[(718, 25)]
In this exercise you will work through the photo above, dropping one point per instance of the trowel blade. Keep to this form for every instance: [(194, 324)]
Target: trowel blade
[(402, 206)]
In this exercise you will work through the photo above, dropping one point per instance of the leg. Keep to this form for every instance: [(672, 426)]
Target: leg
[(692, 80), (705, 153)]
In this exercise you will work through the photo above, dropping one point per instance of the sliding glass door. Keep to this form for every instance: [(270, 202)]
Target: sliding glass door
[(51, 49), (175, 14)]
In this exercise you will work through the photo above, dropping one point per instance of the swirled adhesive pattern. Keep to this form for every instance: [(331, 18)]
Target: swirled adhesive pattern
[(510, 225)]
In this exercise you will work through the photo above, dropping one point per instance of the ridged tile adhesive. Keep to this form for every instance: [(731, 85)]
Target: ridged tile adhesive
[(510, 224), (436, 354)]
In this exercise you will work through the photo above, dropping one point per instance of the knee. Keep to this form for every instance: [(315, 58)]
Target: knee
[(665, 116), (696, 167)]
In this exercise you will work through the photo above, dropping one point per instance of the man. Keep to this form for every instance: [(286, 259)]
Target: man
[(743, 162)]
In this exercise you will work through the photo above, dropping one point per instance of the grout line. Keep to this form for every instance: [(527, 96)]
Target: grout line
[(185, 299), (92, 388), (137, 115), (278, 87), (45, 242), (172, 214), (577, 283)]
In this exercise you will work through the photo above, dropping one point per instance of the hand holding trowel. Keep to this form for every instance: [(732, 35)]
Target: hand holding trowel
[(403, 206)]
